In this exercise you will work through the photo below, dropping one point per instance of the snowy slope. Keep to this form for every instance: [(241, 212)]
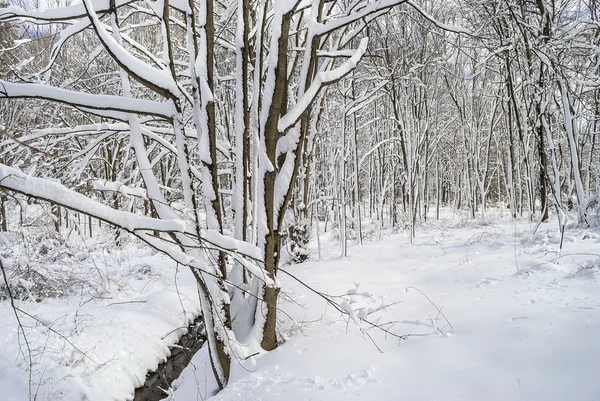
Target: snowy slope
[(525, 322), (99, 344)]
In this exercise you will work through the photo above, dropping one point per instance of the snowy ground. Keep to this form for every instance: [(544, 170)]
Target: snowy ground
[(525, 321), (96, 344)]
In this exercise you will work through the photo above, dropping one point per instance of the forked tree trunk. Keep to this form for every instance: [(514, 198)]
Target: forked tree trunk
[(272, 238)]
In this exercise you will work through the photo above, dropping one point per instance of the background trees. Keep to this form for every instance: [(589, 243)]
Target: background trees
[(502, 116)]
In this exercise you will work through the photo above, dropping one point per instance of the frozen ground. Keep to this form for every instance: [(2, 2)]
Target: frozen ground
[(124, 309), (523, 323)]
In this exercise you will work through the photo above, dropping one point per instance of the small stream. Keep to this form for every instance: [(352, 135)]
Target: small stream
[(168, 371)]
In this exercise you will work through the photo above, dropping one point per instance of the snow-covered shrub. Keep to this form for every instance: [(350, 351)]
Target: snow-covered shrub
[(44, 273), (41, 262), (299, 238), (32, 284)]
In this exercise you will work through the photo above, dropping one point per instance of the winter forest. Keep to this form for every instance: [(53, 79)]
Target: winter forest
[(299, 200)]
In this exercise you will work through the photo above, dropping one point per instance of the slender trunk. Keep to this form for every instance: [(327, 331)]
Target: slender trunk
[(277, 105), (357, 215), (571, 136), (437, 188), (543, 170), (3, 218)]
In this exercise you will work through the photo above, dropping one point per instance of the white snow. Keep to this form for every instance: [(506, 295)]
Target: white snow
[(57, 13), (514, 331), (158, 77), (118, 186), (87, 100), (122, 324), (493, 312), (13, 179)]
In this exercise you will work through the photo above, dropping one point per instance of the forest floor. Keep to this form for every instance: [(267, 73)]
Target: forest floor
[(519, 320), (112, 316)]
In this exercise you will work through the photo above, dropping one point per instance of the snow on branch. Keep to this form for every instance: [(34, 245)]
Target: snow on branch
[(76, 11), (337, 53), (373, 7), (56, 14), (365, 99), (109, 103), (158, 80), (376, 8), (236, 248), (374, 148), (445, 27), (322, 78), (52, 191), (63, 36), (118, 186), (84, 129)]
